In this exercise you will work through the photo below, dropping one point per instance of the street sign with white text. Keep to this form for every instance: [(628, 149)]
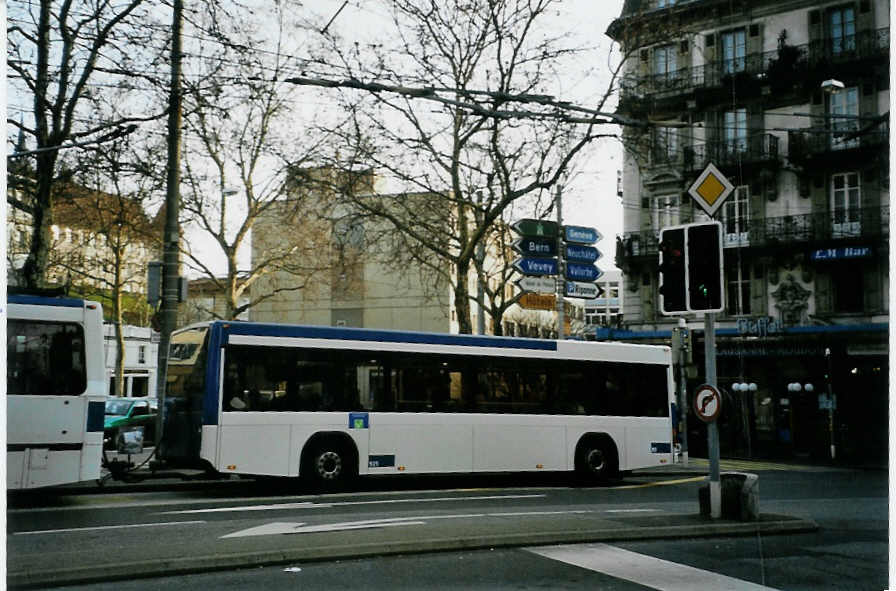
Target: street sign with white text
[(583, 254), (536, 247), (534, 266), (582, 272), (581, 234)]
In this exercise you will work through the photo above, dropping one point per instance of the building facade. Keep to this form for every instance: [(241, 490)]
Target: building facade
[(790, 101), (606, 310), (141, 360)]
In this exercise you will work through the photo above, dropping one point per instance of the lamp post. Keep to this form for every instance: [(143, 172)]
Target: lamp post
[(745, 410)]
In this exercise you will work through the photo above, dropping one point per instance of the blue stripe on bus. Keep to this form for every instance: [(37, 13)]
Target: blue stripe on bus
[(95, 416), (212, 374), (44, 301), (385, 336)]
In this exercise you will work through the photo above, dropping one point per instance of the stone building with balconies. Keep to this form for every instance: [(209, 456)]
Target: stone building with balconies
[(790, 101)]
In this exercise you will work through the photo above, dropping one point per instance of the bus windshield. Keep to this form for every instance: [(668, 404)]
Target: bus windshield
[(45, 358)]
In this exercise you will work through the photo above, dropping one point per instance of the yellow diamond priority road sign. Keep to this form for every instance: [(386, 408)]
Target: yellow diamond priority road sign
[(710, 189)]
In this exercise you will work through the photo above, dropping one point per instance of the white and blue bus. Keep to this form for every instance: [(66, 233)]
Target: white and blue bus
[(329, 404), (55, 391)]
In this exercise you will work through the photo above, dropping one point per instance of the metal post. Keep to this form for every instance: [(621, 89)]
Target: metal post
[(560, 266), (171, 243), (712, 431), (827, 354), (683, 394)]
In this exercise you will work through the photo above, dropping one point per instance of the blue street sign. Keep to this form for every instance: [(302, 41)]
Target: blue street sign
[(536, 247), (531, 266), (581, 234), (582, 272), (584, 254)]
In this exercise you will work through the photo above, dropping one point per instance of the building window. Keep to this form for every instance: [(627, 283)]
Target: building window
[(736, 217), (664, 63), (738, 288), (843, 108), (735, 131), (734, 51), (665, 212), (665, 145), (842, 29), (846, 200), (141, 354)]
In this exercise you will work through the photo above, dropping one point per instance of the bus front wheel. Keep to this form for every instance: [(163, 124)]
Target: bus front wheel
[(596, 460)]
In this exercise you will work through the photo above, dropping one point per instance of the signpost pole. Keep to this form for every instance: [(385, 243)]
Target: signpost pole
[(561, 264), (683, 394), (712, 430)]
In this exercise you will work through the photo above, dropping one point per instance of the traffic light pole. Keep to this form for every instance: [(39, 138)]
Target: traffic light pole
[(712, 430), (561, 287), (683, 394)]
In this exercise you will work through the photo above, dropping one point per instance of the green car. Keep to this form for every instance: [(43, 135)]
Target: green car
[(129, 412)]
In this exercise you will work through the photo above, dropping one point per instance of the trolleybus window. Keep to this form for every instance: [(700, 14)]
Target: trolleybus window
[(45, 358)]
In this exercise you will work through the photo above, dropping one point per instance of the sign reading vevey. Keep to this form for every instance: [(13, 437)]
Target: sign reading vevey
[(577, 289), (533, 266)]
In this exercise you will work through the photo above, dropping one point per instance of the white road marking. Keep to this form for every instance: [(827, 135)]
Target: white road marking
[(630, 510), (310, 505), (102, 527), (280, 528), (643, 570)]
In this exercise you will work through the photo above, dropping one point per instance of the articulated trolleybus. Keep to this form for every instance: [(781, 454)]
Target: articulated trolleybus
[(328, 404), (55, 385)]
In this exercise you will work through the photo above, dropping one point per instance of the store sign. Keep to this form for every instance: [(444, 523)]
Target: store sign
[(844, 252), (759, 327)]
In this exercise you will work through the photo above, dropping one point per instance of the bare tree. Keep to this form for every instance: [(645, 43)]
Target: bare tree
[(482, 151), (243, 160), (58, 54)]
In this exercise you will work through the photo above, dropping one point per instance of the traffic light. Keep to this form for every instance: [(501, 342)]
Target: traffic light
[(673, 292), (704, 264)]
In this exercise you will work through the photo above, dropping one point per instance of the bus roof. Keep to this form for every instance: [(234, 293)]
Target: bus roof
[(34, 300)]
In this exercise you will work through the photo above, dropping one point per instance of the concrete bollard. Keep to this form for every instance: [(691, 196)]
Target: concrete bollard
[(740, 496)]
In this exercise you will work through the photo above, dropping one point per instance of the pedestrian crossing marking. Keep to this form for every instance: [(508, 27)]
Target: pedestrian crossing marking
[(655, 573)]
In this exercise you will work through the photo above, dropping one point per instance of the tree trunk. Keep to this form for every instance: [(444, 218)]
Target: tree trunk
[(462, 298), (34, 271)]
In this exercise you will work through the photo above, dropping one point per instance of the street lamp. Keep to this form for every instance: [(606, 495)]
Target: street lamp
[(832, 86)]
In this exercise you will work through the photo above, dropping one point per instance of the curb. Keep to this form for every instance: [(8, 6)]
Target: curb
[(772, 525)]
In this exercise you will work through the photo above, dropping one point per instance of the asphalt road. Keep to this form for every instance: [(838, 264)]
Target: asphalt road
[(227, 520)]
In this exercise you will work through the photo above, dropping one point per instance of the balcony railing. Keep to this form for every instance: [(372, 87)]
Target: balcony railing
[(784, 65), (803, 145), (755, 149), (868, 223)]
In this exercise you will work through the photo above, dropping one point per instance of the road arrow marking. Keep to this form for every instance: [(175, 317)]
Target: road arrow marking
[(280, 528)]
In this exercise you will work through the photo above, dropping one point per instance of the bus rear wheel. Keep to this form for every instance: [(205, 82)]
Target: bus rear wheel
[(327, 465), (596, 460)]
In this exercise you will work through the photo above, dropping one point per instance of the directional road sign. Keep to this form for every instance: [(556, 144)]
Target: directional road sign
[(537, 284), (532, 301), (536, 228), (533, 266), (577, 289), (581, 234), (710, 189), (536, 247), (583, 254), (582, 272)]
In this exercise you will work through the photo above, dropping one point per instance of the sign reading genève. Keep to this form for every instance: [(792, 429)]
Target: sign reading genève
[(843, 252)]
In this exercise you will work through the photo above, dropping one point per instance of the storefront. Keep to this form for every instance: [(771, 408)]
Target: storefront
[(790, 392)]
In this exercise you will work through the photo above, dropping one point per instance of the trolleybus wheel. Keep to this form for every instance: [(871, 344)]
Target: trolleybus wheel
[(328, 465), (596, 459)]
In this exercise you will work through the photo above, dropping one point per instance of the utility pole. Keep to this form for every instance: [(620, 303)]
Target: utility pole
[(561, 271), (683, 390), (171, 244), (712, 429)]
